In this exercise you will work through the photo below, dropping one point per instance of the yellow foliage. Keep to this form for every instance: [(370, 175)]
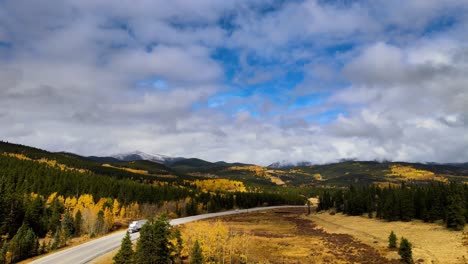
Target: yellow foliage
[(258, 170), (408, 172), (85, 201), (34, 196), (51, 198), (108, 218), (317, 176), (122, 213), (51, 163), (216, 240), (70, 202), (277, 180), (220, 184), (144, 172), (15, 155), (116, 208), (261, 172)]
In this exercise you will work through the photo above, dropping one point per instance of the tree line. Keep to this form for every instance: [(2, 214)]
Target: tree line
[(428, 202)]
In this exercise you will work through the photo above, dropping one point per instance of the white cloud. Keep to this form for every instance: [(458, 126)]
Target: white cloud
[(68, 81)]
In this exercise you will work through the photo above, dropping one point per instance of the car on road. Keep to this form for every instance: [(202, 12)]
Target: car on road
[(135, 226)]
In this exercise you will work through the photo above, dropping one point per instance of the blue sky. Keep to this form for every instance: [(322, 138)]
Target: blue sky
[(250, 81)]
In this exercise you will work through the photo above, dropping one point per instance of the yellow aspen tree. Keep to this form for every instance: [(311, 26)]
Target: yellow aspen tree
[(116, 208), (122, 212), (108, 219), (85, 201), (70, 203), (51, 198)]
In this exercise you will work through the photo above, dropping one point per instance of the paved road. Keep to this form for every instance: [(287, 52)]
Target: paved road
[(88, 251)]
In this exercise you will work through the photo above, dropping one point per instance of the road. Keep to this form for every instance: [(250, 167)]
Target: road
[(86, 252)]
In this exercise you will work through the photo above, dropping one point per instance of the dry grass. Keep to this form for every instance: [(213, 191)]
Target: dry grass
[(287, 237), (432, 243)]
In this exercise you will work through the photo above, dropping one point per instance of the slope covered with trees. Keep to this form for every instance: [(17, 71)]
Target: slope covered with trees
[(48, 198)]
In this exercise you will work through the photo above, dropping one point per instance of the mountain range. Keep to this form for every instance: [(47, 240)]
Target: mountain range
[(139, 155)]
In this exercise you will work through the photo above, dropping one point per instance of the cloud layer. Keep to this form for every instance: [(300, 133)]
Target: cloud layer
[(250, 81)]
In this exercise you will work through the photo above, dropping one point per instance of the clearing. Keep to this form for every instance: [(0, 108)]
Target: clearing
[(432, 243)]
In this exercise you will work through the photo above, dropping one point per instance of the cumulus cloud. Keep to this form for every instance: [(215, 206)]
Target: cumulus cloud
[(72, 72)]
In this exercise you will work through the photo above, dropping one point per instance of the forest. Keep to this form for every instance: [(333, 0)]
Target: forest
[(435, 201)]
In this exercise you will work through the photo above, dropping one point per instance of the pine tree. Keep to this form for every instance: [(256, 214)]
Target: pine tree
[(78, 223), (68, 225), (392, 240), (23, 244), (455, 213), (125, 254), (405, 251), (153, 247), (196, 256)]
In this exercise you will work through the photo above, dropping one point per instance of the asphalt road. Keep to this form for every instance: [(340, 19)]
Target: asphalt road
[(86, 252)]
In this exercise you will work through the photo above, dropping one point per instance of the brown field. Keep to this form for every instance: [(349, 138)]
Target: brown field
[(288, 236), (432, 243)]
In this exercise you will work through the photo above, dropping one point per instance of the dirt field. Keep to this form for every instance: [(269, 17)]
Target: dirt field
[(432, 243)]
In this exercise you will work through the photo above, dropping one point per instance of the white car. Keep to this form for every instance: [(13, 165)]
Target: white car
[(135, 226)]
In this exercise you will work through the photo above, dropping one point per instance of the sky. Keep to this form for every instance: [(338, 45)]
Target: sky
[(243, 80)]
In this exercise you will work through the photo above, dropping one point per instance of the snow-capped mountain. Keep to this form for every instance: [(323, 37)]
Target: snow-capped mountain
[(139, 155), (288, 164)]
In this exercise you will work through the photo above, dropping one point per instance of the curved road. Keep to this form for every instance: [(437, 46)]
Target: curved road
[(88, 251)]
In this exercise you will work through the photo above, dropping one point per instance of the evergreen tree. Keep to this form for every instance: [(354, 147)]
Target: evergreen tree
[(57, 243), (153, 247), (68, 225), (125, 253), (196, 256), (392, 240), (455, 213), (23, 244), (405, 251), (78, 223)]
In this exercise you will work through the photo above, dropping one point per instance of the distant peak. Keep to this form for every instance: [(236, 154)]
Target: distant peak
[(140, 155), (288, 164)]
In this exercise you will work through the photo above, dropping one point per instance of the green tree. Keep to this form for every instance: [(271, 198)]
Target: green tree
[(392, 240), (24, 244), (455, 213), (68, 225), (405, 251), (78, 223), (196, 256), (153, 247), (125, 253)]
